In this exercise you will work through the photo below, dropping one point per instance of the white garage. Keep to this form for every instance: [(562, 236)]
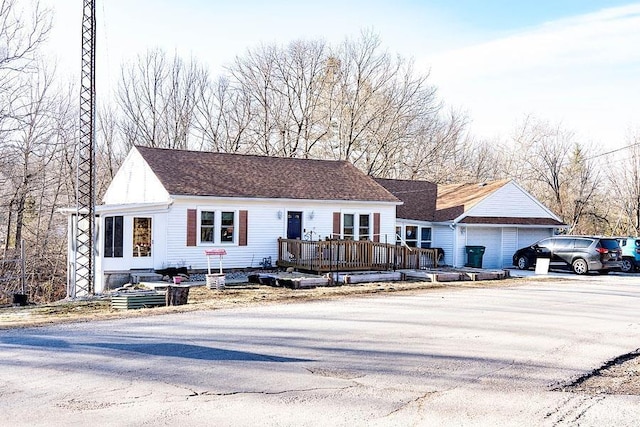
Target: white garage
[(499, 215)]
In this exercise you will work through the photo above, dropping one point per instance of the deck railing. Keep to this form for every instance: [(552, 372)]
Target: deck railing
[(351, 255)]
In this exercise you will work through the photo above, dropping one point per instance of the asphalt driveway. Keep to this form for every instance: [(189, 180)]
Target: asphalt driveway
[(448, 357)]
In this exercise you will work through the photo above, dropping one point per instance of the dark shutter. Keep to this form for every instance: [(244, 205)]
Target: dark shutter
[(242, 228), (192, 227), (376, 226), (336, 225)]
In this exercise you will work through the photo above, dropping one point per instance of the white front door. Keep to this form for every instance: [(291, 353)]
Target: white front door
[(142, 242)]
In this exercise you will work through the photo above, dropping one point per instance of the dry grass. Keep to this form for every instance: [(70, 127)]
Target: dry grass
[(203, 298)]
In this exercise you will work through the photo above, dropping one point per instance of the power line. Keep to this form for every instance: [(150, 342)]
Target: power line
[(613, 151)]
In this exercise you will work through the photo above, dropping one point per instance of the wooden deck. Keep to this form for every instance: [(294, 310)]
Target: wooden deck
[(352, 255)]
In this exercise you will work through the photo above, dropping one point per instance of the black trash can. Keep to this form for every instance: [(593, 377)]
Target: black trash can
[(474, 256), (20, 299)]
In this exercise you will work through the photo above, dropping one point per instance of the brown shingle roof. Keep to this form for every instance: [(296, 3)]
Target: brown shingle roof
[(455, 199), (198, 173), (426, 201), (419, 198)]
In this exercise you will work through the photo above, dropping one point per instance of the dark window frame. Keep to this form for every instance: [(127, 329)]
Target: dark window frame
[(114, 236)]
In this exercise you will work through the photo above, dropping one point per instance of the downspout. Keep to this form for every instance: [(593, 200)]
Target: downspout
[(454, 257)]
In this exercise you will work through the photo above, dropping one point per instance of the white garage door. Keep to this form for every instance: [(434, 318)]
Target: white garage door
[(491, 239), (527, 236)]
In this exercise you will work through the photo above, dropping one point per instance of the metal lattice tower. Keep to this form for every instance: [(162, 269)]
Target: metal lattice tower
[(82, 282)]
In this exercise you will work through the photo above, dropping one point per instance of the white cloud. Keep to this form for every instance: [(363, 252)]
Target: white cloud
[(583, 72)]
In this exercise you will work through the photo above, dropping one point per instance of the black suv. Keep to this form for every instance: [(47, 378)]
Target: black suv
[(581, 253)]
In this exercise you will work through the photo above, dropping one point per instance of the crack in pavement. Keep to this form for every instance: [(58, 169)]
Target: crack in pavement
[(572, 409), (335, 373), (419, 400), (266, 393)]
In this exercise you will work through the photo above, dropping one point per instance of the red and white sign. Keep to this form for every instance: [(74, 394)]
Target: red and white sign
[(210, 252)]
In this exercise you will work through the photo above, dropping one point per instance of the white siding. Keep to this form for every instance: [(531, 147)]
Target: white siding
[(135, 182), (509, 245), (509, 201), (442, 237), (264, 227)]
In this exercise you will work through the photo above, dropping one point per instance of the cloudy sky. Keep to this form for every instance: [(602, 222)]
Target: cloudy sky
[(571, 62)]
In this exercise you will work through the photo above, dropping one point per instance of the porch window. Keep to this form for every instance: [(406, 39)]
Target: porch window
[(113, 236), (398, 235), (226, 231), (411, 235), (363, 228), (348, 228), (207, 224), (141, 237), (425, 237)]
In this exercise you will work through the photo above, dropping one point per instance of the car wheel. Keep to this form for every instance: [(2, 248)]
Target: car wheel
[(523, 263), (580, 266), (627, 265)]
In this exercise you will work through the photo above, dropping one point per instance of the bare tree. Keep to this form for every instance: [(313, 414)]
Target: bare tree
[(354, 102), (299, 79), (582, 211), (381, 106), (223, 116), (254, 76), (625, 185), (156, 96), (35, 178), (440, 151), (549, 161), (20, 37)]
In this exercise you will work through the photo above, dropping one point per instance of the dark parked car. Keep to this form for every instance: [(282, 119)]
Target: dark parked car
[(630, 253), (581, 253)]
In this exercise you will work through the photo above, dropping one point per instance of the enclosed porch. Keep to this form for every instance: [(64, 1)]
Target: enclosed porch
[(352, 255)]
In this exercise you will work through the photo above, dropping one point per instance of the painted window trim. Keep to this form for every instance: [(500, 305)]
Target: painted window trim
[(413, 239), (369, 226), (418, 238), (421, 241), (199, 241), (354, 228), (217, 226), (356, 223), (119, 237)]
